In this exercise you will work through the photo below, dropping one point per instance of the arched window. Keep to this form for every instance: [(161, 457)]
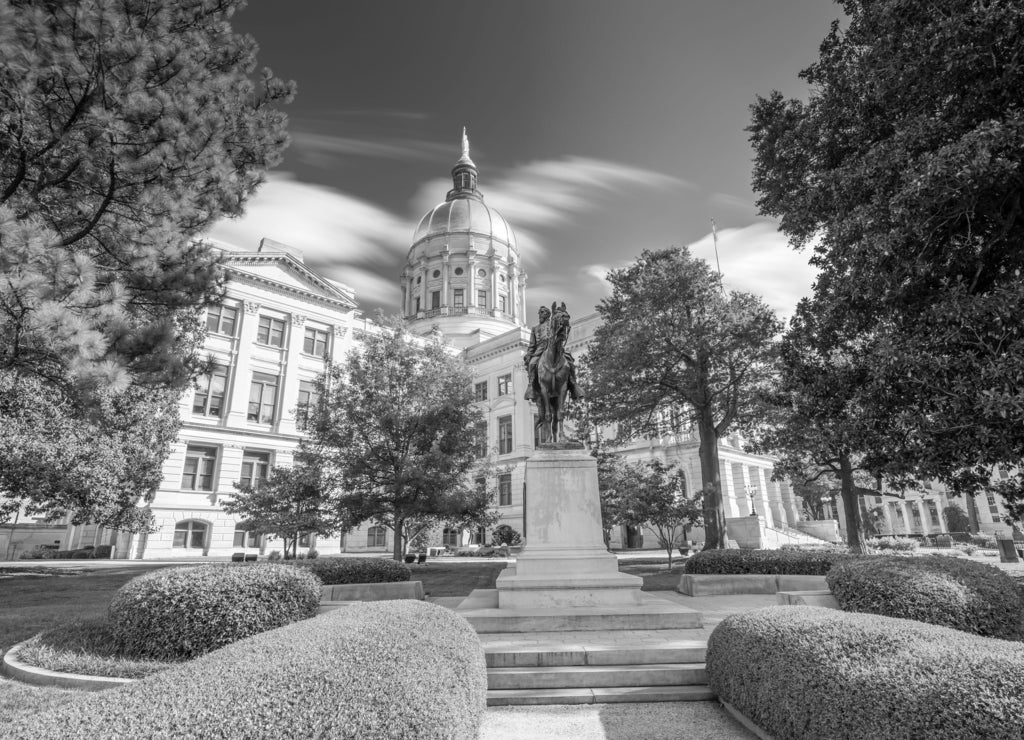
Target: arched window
[(376, 536), (190, 534), (450, 537)]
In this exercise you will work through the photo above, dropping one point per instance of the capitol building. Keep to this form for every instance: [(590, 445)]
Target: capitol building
[(464, 278)]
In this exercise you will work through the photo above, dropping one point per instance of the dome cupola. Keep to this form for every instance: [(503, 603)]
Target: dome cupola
[(462, 272)]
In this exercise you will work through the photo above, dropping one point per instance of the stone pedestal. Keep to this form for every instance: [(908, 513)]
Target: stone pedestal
[(565, 562)]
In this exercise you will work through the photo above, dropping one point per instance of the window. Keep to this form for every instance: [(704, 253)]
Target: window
[(505, 489), (458, 297), (246, 536), (271, 331), (376, 536), (436, 274), (262, 397), (480, 391), (933, 512), (992, 506), (306, 540), (458, 270), (307, 397), (255, 467), (221, 320), (315, 342), (209, 398), (505, 385), (190, 534), (198, 472), (503, 303), (417, 306), (481, 439), (476, 536), (435, 299), (1003, 473), (504, 435), (481, 298), (450, 537), (915, 515)]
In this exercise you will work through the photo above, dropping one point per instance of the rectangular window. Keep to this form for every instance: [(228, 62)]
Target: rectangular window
[(992, 506), (255, 468), (435, 299), (246, 537), (503, 303), (262, 398), (315, 342), (198, 472), (209, 398), (1003, 473), (221, 320), (915, 515), (270, 331), (505, 489), (481, 298), (505, 384), (307, 398), (480, 391), (481, 439), (459, 298), (933, 512), (417, 307), (504, 435)]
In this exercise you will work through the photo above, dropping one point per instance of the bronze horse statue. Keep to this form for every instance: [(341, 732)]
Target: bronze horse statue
[(553, 377)]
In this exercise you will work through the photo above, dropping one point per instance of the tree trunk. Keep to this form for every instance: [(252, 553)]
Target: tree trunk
[(851, 508), (398, 544), (972, 514), (711, 484)]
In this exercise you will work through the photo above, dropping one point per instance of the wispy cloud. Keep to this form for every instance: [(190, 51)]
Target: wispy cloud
[(731, 203), (551, 193), (323, 149), (326, 224)]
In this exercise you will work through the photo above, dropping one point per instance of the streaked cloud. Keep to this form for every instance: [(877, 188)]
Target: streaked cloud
[(731, 203), (329, 226), (323, 149)]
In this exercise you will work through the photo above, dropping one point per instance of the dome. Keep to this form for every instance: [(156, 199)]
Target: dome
[(464, 215)]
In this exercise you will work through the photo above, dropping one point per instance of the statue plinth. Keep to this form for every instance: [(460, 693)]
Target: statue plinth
[(565, 562)]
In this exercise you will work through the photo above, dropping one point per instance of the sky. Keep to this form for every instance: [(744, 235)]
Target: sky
[(599, 128)]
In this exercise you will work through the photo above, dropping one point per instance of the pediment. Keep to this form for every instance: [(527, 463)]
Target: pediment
[(285, 271)]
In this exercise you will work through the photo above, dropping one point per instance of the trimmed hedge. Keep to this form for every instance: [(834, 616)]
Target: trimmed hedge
[(969, 596), (764, 562), (340, 571), (401, 669), (185, 612), (812, 673)]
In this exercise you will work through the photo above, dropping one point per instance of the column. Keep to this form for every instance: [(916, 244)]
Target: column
[(521, 297), (424, 294), (775, 501), (513, 297), (471, 298), (495, 311), (762, 490), (789, 502), (241, 371), (290, 382), (729, 503), (446, 299)]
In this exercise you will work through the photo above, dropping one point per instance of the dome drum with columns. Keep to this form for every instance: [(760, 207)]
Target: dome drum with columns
[(463, 272)]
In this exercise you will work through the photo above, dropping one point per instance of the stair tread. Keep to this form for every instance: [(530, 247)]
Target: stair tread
[(597, 668), (694, 692)]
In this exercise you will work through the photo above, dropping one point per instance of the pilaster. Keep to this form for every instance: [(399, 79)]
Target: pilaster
[(241, 373)]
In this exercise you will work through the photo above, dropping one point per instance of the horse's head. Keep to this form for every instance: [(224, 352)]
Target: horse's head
[(559, 321)]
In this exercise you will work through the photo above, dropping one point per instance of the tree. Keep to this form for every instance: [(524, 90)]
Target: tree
[(956, 519), (505, 535), (290, 503), (654, 495), (901, 172), (397, 427), (673, 346), (126, 129)]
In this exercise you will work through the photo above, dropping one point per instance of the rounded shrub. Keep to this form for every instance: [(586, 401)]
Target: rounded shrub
[(896, 544), (339, 571), (396, 669), (185, 612), (969, 596), (764, 562), (811, 673)]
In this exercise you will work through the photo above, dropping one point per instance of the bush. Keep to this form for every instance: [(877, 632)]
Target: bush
[(869, 676), (400, 669), (81, 554), (103, 552), (274, 556), (765, 562), (185, 612), (986, 541), (968, 596), (338, 571), (505, 535), (896, 544)]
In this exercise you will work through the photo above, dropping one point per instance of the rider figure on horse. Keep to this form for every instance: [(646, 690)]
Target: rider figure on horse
[(539, 336)]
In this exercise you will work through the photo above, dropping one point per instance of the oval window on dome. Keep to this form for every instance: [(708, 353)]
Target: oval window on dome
[(436, 273), (419, 280), (482, 273), (458, 270)]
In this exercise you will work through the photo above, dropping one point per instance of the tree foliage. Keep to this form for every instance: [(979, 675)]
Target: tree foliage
[(672, 348), (290, 503), (902, 172), (956, 519), (396, 426)]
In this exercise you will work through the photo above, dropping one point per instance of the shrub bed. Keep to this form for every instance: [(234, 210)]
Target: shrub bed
[(764, 562), (185, 612), (404, 669), (969, 596), (896, 544), (340, 571), (808, 672)]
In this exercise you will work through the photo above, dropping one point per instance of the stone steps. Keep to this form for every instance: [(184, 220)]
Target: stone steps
[(523, 697), (596, 676)]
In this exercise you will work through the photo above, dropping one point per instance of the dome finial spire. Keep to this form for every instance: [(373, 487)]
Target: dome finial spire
[(465, 143)]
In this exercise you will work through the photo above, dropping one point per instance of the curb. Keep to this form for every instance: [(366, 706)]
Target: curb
[(744, 720), (15, 669)]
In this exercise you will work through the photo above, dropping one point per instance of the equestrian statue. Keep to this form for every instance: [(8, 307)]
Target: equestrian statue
[(551, 370)]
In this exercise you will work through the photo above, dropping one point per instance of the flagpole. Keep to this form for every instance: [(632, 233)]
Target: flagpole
[(714, 235)]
